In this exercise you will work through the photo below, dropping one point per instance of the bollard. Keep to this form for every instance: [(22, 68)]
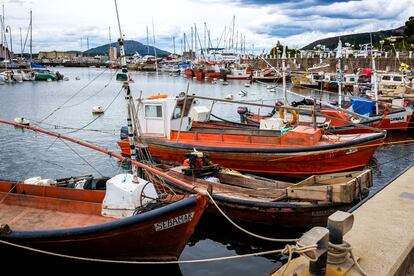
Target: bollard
[(320, 237), (339, 223)]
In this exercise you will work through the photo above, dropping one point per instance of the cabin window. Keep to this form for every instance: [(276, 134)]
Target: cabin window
[(397, 78), (153, 111), (352, 79), (386, 77)]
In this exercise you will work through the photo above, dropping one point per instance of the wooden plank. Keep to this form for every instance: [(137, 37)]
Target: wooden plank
[(343, 193)]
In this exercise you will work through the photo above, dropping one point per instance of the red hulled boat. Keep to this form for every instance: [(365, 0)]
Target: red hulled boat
[(301, 151)]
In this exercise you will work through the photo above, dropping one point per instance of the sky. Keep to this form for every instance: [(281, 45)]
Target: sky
[(66, 24)]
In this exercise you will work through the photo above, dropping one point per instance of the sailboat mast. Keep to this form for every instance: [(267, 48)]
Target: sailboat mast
[(21, 43), (285, 101), (31, 38), (155, 50), (339, 71), (127, 90), (147, 42), (374, 82)]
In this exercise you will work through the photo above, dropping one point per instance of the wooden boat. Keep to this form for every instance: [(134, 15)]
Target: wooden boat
[(264, 201), (302, 151), (69, 221)]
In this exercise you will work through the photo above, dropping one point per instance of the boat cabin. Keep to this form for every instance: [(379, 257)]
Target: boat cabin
[(159, 115)]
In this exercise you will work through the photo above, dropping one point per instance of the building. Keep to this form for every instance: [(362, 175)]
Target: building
[(53, 55), (112, 54), (5, 53)]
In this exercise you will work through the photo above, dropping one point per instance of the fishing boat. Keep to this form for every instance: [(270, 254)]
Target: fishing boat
[(135, 218), (301, 151), (340, 122), (266, 201), (73, 221)]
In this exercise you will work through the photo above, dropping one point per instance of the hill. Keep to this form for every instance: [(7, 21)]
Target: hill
[(355, 39), (131, 47)]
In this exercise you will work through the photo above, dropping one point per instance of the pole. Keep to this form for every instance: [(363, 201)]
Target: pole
[(21, 43), (174, 43), (127, 90), (147, 42), (155, 50), (339, 71), (285, 100), (31, 38), (374, 82)]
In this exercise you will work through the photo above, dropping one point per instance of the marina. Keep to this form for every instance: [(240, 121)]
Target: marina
[(207, 159)]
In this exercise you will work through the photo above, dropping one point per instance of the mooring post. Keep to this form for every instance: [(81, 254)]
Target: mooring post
[(320, 237), (339, 223)]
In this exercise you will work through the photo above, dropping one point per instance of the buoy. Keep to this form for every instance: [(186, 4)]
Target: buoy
[(272, 90), (224, 83), (21, 121), (98, 109), (247, 85), (77, 78), (214, 82), (229, 97)]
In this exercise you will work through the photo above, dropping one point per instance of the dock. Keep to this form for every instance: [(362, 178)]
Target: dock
[(382, 236)]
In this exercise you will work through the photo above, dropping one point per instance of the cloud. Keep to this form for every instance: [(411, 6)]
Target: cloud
[(60, 25)]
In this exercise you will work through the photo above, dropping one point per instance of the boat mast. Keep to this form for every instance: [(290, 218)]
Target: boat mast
[(21, 43), (374, 82), (147, 42), (31, 38), (124, 77), (155, 50), (339, 71), (285, 101)]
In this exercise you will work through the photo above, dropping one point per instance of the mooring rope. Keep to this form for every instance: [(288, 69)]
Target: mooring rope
[(244, 230), (74, 95), (337, 254), (288, 249)]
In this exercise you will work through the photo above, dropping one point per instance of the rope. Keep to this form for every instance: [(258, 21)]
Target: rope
[(288, 249), (95, 94), (74, 95), (337, 254), (97, 117), (244, 230), (86, 161)]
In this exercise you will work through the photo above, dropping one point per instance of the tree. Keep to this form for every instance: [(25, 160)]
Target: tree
[(409, 27)]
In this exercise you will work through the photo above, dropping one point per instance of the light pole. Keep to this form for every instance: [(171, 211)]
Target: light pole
[(8, 30)]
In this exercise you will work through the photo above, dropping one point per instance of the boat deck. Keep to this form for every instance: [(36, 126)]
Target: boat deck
[(28, 218)]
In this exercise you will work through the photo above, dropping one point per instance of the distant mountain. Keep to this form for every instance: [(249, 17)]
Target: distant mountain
[(131, 47), (354, 39)]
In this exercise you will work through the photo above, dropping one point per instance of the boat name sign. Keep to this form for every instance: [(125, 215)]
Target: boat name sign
[(174, 222)]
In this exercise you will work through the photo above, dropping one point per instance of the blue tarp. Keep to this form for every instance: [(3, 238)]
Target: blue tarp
[(36, 66), (363, 106)]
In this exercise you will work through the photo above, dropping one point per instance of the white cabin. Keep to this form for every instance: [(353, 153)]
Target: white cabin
[(158, 117)]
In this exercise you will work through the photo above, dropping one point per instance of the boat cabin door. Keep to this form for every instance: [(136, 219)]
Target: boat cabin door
[(154, 119)]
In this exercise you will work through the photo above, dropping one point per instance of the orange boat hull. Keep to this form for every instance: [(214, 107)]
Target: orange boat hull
[(283, 163)]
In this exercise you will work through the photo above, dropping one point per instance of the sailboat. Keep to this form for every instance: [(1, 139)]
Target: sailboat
[(131, 220)]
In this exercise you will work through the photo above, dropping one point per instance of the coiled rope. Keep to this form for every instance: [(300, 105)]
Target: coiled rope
[(337, 254)]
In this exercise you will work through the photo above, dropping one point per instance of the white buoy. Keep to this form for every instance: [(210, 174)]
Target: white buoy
[(229, 97), (225, 83), (247, 84), (98, 109), (214, 82), (21, 121)]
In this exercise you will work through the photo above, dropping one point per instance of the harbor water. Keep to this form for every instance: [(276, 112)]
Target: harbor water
[(66, 107)]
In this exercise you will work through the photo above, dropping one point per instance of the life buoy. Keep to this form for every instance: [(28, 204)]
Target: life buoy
[(294, 118), (158, 96)]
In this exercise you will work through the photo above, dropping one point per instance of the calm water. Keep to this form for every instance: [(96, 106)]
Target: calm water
[(26, 154)]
